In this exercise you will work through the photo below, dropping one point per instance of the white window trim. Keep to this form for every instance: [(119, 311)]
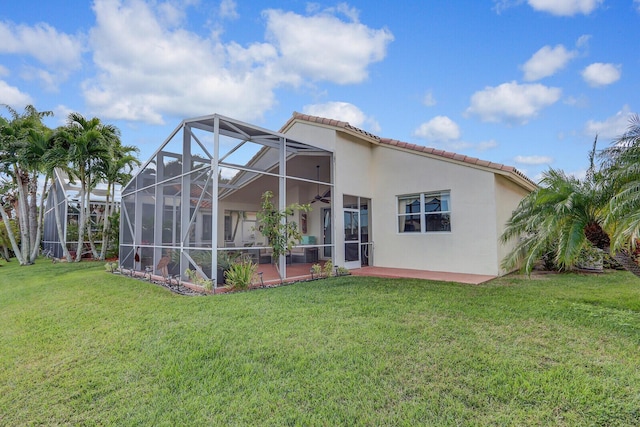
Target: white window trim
[(422, 213)]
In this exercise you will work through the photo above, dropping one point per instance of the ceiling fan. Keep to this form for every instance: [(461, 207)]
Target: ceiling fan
[(324, 198)]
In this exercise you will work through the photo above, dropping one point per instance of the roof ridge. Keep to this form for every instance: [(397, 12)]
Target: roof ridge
[(330, 122), (410, 146)]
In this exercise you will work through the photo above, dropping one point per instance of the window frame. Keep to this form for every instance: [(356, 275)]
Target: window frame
[(422, 214)]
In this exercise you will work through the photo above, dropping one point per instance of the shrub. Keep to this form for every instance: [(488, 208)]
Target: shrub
[(316, 270), (327, 270), (342, 271), (590, 258), (196, 279), (240, 274)]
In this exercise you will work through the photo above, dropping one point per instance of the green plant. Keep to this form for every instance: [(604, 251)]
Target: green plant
[(207, 284), (342, 271), (196, 279), (316, 270), (226, 259), (241, 274), (327, 270), (113, 235), (111, 266), (281, 233), (590, 258)]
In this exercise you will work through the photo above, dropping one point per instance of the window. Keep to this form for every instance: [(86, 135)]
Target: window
[(424, 213)]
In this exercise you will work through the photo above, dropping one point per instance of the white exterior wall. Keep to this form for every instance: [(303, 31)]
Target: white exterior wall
[(481, 203), (470, 247), (352, 162), (508, 196)]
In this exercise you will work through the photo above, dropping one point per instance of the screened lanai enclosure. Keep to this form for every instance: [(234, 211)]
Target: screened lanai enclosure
[(198, 196), (64, 196)]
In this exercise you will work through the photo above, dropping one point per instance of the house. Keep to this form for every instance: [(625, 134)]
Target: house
[(375, 201)]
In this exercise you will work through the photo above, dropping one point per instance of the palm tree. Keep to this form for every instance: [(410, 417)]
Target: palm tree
[(33, 154), (87, 142), (554, 218), (10, 230), (17, 137), (622, 161), (561, 218), (115, 170)]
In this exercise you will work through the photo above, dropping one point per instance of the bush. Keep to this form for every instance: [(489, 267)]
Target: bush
[(196, 279), (342, 271), (240, 274), (316, 271), (590, 259), (327, 270)]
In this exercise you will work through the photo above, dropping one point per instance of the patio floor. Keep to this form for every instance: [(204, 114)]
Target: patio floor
[(297, 272), (472, 279), (301, 272)]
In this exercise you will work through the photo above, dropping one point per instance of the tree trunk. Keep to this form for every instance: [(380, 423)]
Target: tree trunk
[(81, 221), (92, 245), (34, 226), (23, 220), (40, 212), (627, 262), (105, 225), (12, 238)]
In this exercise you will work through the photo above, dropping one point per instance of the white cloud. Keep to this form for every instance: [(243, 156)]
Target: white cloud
[(565, 7), (61, 113), (60, 53), (43, 42), (12, 96), (147, 69), (440, 128), (578, 174), (502, 5), (636, 3), (228, 9), (580, 101), (323, 47), (599, 74), (345, 112), (583, 41), (512, 102), (487, 145), (546, 62), (533, 160), (611, 127), (429, 100)]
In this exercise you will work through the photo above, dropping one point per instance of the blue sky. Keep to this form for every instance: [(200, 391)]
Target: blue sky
[(528, 83)]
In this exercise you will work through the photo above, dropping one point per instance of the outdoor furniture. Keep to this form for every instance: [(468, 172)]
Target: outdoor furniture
[(304, 255), (265, 256)]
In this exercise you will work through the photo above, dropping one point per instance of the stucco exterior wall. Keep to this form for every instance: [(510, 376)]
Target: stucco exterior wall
[(352, 169), (508, 196), (470, 246), (481, 202), (325, 138)]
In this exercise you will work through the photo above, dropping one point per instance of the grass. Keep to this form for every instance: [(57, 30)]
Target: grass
[(79, 346)]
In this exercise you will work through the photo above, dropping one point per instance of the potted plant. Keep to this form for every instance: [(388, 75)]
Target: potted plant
[(225, 260)]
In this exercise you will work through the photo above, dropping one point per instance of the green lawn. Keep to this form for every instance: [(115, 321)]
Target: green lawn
[(79, 346)]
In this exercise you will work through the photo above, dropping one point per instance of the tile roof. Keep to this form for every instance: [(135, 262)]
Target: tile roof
[(407, 146)]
